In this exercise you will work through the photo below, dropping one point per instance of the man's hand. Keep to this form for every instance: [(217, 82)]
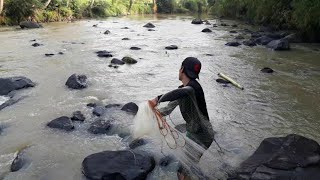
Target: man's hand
[(153, 102)]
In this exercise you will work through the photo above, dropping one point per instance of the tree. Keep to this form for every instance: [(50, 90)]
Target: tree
[(1, 5), (47, 4)]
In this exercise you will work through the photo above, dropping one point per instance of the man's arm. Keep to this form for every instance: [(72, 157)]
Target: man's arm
[(176, 94), (169, 108)]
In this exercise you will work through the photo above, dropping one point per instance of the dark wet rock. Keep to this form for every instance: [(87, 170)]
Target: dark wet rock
[(77, 81), (95, 25), (293, 38), (197, 21), (206, 30), (263, 40), (10, 102), (125, 28), (30, 25), (117, 61), (101, 126), (151, 30), (113, 66), (165, 161), (223, 24), (63, 123), (33, 40), (61, 53), (209, 54), (10, 84), (77, 116), (99, 110), (234, 44), (125, 39), (149, 25), (239, 37), (181, 128), (279, 45), (19, 161), (255, 35), (222, 81), (49, 54), (249, 43), (36, 44), (267, 70), (130, 107), (290, 157), (117, 165), (135, 48), (208, 23), (137, 142), (91, 105), (104, 53), (171, 47), (214, 25), (234, 25), (247, 31), (112, 106), (129, 60), (233, 32), (275, 35), (107, 32)]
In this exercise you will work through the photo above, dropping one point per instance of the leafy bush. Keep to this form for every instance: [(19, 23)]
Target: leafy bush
[(166, 6), (18, 10)]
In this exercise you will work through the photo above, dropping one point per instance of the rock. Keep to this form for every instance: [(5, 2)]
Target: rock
[(267, 70), (233, 32), (149, 25), (125, 39), (165, 161), (234, 25), (77, 116), (10, 84), (30, 25), (293, 38), (104, 53), (135, 48), (130, 107), (137, 142), (222, 81), (117, 165), (49, 54), (206, 30), (101, 126), (61, 53), (117, 61), (239, 37), (151, 30), (223, 24), (99, 110), (263, 40), (249, 43), (279, 45), (125, 28), (181, 128), (95, 25), (91, 105), (20, 160), (171, 47), (197, 21), (214, 25), (112, 106), (112, 66), (36, 45), (255, 35), (107, 32), (63, 123), (290, 157), (77, 81), (33, 40), (129, 60), (235, 44)]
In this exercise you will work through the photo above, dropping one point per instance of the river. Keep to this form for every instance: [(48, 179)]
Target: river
[(277, 104)]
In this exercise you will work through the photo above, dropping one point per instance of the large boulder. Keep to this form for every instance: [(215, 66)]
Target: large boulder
[(130, 107), (290, 157), (197, 21), (117, 165), (21, 160), (263, 40), (63, 123), (101, 126), (77, 81), (129, 60), (279, 45), (30, 25), (14, 83)]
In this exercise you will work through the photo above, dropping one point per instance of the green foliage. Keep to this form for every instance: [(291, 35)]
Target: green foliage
[(191, 5), (17, 10), (166, 6)]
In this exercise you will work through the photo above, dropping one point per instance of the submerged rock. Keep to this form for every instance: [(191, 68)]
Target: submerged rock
[(206, 30), (234, 25), (112, 106), (125, 39), (77, 116), (49, 54), (117, 165), (290, 157), (137, 142), (104, 54), (263, 40), (36, 44), (279, 45), (14, 83), (239, 37), (107, 32), (63, 123), (171, 47), (234, 44), (77, 81), (135, 48), (117, 61), (20, 160), (130, 107), (99, 110), (30, 25), (233, 32), (129, 60), (249, 43), (91, 105), (149, 25), (101, 126), (222, 81), (197, 21), (267, 70), (151, 30)]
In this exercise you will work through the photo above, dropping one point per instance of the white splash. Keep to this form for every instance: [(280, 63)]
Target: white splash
[(3, 99)]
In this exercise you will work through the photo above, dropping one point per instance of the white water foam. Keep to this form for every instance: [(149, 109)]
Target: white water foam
[(3, 99)]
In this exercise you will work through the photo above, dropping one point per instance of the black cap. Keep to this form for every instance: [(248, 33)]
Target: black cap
[(192, 67)]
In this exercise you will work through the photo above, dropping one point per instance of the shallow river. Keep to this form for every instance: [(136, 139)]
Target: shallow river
[(277, 104)]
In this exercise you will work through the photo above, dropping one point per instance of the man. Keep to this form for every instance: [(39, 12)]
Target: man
[(190, 98)]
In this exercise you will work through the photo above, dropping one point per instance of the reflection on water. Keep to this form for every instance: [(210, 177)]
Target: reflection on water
[(271, 105)]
